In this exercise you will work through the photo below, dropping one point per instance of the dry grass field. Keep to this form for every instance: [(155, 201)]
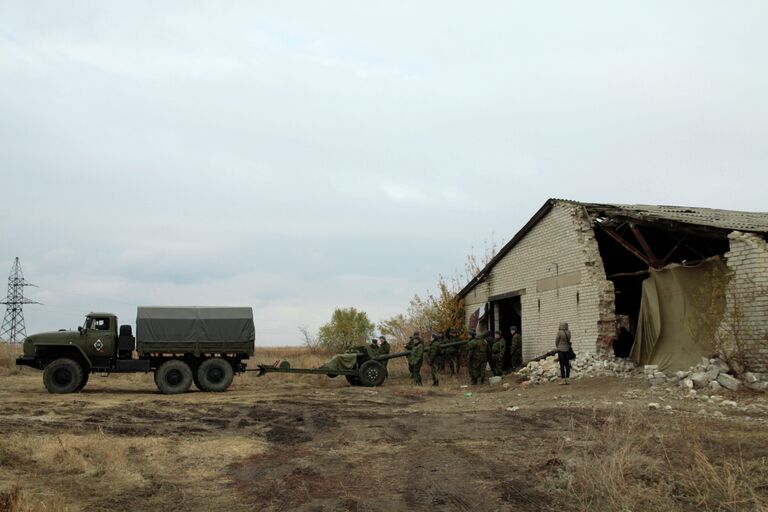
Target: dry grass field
[(293, 442)]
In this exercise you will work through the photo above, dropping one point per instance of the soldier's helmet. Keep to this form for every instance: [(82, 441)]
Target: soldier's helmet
[(416, 335)]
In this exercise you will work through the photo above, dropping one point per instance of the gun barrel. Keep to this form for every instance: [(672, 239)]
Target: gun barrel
[(392, 355)]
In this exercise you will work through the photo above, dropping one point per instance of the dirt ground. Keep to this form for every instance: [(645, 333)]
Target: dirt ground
[(275, 444)]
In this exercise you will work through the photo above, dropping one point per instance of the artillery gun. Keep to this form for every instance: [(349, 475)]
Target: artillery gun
[(359, 365)]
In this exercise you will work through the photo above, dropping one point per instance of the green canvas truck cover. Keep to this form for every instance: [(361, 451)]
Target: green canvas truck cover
[(201, 325)]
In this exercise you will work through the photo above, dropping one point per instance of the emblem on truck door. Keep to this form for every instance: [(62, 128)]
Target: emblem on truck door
[(98, 345)]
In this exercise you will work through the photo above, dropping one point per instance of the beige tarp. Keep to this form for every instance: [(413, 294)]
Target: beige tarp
[(680, 310)]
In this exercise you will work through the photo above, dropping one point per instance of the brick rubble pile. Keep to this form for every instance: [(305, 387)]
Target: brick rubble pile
[(585, 365), (710, 375)]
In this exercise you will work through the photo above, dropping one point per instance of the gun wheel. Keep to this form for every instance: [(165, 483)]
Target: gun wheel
[(372, 374)]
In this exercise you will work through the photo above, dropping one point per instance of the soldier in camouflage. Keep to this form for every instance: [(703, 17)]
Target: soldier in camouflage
[(499, 348), (384, 349), (435, 354), (515, 348), (452, 353), (477, 357), (415, 358)]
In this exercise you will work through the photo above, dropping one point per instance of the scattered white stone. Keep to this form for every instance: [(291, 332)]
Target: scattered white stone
[(702, 411), (514, 408), (728, 382), (494, 380), (653, 406), (718, 414), (687, 383), (729, 403), (715, 386), (700, 380), (758, 386), (682, 374), (619, 403), (751, 378), (667, 407)]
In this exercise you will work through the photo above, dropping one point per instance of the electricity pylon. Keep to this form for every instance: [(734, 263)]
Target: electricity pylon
[(13, 329)]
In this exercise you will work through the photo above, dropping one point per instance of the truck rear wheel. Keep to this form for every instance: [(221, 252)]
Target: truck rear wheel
[(84, 381), (372, 373), (215, 374), (173, 377), (63, 376)]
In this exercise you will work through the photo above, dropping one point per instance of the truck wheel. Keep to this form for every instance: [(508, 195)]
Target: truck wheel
[(63, 376), (173, 377), (353, 380), (197, 381), (84, 381), (372, 373), (215, 374)]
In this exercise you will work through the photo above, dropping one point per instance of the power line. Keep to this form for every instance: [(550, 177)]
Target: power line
[(13, 329)]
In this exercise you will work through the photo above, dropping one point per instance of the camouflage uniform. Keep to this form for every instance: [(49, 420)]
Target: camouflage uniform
[(488, 337), (499, 347), (516, 350), (452, 354), (477, 357), (415, 359), (384, 350), (436, 355)]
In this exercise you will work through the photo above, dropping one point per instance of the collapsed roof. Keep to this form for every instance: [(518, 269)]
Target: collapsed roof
[(705, 222)]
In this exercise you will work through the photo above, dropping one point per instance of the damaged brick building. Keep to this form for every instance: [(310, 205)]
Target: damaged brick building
[(664, 285)]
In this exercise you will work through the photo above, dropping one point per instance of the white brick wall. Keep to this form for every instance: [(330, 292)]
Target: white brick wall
[(564, 237), (747, 298)]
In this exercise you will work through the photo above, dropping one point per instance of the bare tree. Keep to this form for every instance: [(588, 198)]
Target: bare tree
[(311, 340)]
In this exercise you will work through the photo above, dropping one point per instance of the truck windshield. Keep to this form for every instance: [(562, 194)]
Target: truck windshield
[(87, 322)]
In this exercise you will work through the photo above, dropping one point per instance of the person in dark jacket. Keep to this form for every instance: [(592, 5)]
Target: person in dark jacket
[(564, 347)]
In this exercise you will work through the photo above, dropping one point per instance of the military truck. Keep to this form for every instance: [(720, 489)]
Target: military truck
[(181, 345)]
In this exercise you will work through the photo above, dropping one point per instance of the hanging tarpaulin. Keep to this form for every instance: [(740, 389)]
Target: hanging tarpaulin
[(479, 314), (680, 310)]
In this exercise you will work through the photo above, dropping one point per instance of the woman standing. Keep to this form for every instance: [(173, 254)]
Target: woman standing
[(564, 349)]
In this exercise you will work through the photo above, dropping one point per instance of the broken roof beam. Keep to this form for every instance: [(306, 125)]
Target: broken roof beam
[(629, 247), (680, 242), (655, 263)]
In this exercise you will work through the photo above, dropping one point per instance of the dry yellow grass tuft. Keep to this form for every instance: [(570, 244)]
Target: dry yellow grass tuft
[(623, 465), (16, 500), (8, 354)]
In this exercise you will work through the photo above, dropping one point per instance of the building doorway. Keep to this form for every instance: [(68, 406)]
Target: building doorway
[(508, 312)]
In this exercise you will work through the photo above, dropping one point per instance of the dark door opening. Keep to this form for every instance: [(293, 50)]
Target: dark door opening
[(510, 313)]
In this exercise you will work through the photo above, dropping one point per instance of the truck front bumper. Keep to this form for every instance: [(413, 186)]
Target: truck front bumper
[(30, 361)]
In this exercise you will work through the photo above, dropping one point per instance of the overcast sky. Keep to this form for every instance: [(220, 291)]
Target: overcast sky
[(299, 156)]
